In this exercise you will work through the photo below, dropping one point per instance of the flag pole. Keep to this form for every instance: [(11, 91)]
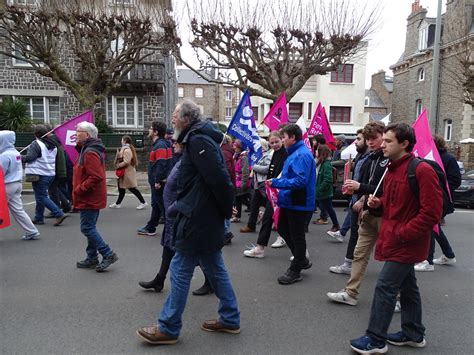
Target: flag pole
[(44, 135)]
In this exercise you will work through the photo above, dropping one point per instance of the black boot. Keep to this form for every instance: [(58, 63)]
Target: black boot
[(204, 289), (157, 283)]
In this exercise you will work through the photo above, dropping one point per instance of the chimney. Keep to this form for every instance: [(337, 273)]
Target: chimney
[(415, 7)]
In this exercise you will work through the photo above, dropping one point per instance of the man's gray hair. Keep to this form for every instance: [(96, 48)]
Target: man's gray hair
[(189, 111), (89, 128)]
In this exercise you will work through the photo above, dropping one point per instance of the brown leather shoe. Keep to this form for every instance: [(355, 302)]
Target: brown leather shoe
[(153, 335), (247, 229), (60, 220), (216, 326)]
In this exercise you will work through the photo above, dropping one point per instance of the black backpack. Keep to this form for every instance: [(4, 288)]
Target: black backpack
[(448, 206)]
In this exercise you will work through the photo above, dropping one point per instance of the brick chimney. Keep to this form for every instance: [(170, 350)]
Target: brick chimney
[(415, 7)]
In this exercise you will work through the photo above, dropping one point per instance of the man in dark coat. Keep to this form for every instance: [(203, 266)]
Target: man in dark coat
[(205, 196)]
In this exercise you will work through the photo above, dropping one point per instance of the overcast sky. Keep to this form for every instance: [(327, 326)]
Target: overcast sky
[(388, 41)]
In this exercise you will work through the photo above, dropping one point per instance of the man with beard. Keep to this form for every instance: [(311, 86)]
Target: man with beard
[(159, 167), (371, 174), (90, 195), (205, 197), (350, 222)]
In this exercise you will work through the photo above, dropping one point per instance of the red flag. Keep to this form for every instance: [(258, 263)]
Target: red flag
[(320, 125), (67, 133), (272, 195), (4, 214), (278, 114)]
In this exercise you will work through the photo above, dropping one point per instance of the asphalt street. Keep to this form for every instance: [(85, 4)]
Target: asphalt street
[(48, 306)]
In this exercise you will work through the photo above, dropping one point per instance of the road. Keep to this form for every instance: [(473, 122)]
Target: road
[(48, 306)]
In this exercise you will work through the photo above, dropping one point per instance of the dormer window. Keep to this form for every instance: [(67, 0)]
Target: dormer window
[(421, 74), (426, 36)]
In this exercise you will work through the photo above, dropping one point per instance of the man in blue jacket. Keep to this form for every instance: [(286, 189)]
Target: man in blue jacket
[(296, 199), (205, 197)]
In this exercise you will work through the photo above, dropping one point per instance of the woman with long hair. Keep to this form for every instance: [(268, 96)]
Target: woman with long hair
[(126, 159), (324, 188)]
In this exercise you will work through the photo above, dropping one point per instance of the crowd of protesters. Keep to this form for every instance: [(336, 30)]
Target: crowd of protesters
[(200, 179)]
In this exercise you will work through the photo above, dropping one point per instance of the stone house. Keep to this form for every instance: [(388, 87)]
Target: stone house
[(147, 94), (216, 101), (378, 99), (413, 71)]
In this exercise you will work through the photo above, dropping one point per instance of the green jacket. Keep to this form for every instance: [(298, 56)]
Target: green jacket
[(324, 187)]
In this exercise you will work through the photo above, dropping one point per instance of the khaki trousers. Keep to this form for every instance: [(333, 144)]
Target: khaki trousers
[(368, 232)]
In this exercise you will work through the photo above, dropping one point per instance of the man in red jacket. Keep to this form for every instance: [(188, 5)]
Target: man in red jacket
[(90, 195), (404, 240)]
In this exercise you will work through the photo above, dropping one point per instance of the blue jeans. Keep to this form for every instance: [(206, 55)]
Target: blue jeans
[(181, 270), (443, 243), (40, 189), (226, 226), (157, 208), (396, 277), (346, 225), (95, 243), (326, 205)]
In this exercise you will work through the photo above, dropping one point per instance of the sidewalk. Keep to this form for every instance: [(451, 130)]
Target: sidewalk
[(112, 189)]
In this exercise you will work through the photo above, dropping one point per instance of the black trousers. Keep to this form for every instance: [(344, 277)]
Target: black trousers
[(267, 223), (354, 235), (257, 201), (157, 208), (166, 257), (134, 191), (241, 200), (291, 226)]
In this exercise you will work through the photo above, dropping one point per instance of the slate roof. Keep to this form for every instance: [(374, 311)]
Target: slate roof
[(374, 99), (187, 76)]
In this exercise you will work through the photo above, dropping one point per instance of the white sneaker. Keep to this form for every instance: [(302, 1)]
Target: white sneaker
[(142, 206), (307, 255), (424, 266), (342, 297), (32, 236), (337, 235), (280, 243), (444, 260), (114, 205), (341, 269), (398, 307), (254, 253)]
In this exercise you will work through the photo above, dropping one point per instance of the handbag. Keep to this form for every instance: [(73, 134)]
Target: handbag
[(31, 178), (120, 172)]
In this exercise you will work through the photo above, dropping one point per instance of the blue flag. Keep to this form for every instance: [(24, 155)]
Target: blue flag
[(243, 127)]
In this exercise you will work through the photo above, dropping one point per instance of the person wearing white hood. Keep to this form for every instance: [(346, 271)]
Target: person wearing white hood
[(10, 162)]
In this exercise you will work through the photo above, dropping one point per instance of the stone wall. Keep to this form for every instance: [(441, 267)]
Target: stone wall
[(378, 85), (467, 155)]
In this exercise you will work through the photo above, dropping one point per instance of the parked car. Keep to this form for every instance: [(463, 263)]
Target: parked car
[(464, 194)]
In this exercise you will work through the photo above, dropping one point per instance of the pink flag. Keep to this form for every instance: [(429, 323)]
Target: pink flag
[(425, 146), (67, 133), (4, 212), (302, 124), (320, 125), (272, 195), (278, 114)]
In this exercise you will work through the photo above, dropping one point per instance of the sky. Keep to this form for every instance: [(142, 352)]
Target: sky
[(387, 43)]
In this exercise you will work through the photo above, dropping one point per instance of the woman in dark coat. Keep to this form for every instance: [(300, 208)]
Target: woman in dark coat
[(170, 194)]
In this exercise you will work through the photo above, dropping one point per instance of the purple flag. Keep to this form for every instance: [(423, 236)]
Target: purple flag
[(67, 133)]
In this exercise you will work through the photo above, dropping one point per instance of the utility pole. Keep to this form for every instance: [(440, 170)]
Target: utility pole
[(433, 110)]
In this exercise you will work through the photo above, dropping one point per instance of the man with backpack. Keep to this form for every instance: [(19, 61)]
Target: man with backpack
[(404, 239)]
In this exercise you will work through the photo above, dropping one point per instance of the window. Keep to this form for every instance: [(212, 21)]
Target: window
[(310, 110), (121, 2), (421, 74), (295, 110), (23, 2), (180, 92), (367, 101), (423, 38), (19, 62), (340, 114), (228, 113), (201, 108), (199, 92), (43, 109), (125, 111), (228, 95), (419, 107), (343, 74), (448, 130)]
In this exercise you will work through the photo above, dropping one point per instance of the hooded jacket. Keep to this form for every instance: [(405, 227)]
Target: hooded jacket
[(10, 159), (205, 191), (407, 221), (160, 161), (89, 182), (298, 179)]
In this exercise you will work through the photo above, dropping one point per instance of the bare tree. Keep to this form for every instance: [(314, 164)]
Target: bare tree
[(83, 45), (270, 46)]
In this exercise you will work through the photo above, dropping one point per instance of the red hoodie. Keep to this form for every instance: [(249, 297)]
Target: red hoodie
[(407, 221)]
